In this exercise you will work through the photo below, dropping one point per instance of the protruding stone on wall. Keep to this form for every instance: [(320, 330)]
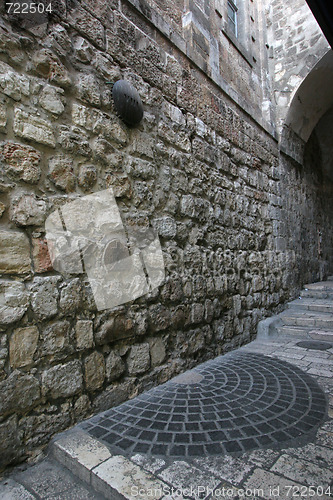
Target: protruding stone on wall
[(87, 177), (48, 65), (51, 100), (56, 341), (116, 328), (3, 117), (11, 439)]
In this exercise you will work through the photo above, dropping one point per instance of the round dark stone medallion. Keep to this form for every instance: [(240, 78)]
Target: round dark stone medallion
[(235, 403)]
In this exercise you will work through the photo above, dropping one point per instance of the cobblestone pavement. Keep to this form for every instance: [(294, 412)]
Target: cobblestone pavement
[(276, 373), (235, 403)]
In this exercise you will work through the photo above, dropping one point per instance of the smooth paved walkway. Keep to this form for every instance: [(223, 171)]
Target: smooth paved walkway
[(255, 423)]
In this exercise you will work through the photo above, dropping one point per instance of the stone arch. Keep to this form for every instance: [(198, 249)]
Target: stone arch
[(310, 101), (312, 98)]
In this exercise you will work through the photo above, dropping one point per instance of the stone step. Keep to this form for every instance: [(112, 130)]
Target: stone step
[(317, 294), (321, 285), (47, 479), (308, 304), (293, 331), (307, 319), (112, 476), (321, 290)]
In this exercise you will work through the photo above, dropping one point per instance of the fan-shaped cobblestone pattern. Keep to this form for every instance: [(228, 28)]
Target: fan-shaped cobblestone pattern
[(235, 403)]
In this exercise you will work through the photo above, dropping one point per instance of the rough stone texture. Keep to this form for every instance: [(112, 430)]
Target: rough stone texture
[(62, 381), (50, 100), (84, 334), (157, 351), (55, 340), (18, 393), (14, 301), (116, 328), (61, 172), (297, 44), (22, 346), (48, 65), (71, 297), (33, 127), (138, 360), (27, 210), (12, 84), (14, 253), (87, 177), (3, 117), (115, 367), (44, 297), (94, 371), (41, 257), (21, 161), (11, 444)]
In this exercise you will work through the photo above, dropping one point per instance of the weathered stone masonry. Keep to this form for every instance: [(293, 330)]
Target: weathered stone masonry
[(239, 228)]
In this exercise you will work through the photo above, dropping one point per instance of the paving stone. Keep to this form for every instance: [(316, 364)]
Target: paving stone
[(191, 480), (226, 468), (118, 478), (270, 485), (325, 438), (11, 490), (150, 464), (80, 453), (223, 406), (303, 471), (319, 455), (48, 480)]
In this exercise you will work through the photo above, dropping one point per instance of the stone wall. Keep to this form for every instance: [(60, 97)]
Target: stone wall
[(203, 173)]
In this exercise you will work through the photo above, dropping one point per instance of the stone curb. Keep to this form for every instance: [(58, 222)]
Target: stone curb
[(268, 328), (111, 475)]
